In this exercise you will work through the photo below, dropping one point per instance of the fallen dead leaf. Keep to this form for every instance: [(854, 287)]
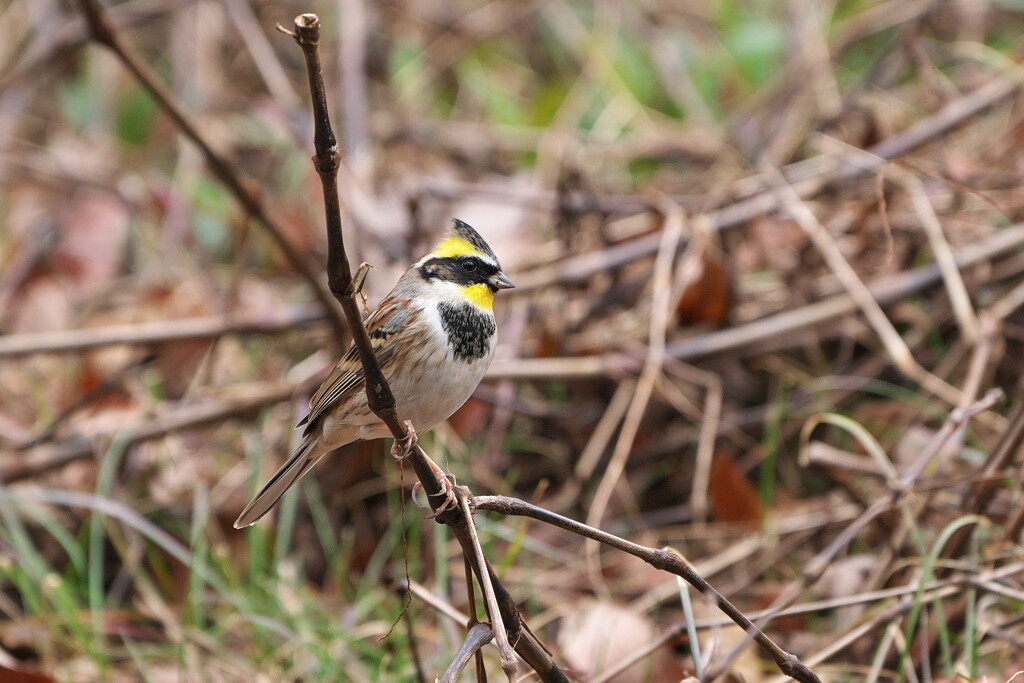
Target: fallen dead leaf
[(599, 635), (706, 295), (731, 496)]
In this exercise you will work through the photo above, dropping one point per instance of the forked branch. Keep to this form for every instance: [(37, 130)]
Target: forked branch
[(661, 559), (379, 396)]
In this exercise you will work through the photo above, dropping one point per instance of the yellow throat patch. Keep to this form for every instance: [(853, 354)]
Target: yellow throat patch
[(455, 246), (480, 296)]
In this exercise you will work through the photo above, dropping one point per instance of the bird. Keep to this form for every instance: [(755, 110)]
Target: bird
[(434, 336)]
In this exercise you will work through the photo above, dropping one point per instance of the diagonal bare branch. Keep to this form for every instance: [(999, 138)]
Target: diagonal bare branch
[(379, 396)]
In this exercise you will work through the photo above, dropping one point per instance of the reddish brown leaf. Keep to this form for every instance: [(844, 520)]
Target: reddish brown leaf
[(707, 294), (731, 496)]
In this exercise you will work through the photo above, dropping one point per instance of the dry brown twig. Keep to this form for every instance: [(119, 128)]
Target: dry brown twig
[(379, 396), (945, 258), (660, 559), (710, 420), (478, 636), (49, 457), (158, 331)]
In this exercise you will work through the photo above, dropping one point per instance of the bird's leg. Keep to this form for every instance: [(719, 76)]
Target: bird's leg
[(401, 448)]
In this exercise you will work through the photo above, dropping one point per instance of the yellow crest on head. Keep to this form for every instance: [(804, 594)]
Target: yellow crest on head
[(480, 295), (454, 246)]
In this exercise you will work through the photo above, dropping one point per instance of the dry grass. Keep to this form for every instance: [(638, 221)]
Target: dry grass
[(803, 406)]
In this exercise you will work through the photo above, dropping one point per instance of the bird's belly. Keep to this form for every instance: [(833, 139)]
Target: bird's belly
[(431, 398)]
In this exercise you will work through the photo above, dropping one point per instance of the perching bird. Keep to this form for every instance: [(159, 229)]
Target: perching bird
[(434, 337)]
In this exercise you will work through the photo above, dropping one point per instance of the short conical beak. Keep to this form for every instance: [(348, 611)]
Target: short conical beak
[(500, 281)]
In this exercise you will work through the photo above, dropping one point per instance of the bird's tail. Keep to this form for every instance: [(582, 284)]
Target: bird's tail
[(301, 461)]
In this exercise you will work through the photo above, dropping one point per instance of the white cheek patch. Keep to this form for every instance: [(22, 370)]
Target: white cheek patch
[(442, 290)]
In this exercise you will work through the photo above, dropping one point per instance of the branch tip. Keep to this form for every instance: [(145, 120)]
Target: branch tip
[(307, 29)]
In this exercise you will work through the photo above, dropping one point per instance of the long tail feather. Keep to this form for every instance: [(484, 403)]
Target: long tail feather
[(301, 461)]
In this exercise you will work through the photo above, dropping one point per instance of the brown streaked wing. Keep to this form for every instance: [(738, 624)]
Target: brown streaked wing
[(347, 377)]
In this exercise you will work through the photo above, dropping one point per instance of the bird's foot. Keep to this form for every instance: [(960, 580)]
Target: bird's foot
[(447, 491), (401, 448), (450, 501), (448, 486)]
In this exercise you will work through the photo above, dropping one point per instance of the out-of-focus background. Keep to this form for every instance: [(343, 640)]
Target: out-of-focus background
[(765, 251)]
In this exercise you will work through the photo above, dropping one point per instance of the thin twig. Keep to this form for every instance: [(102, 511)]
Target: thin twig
[(410, 627), (671, 234), (962, 307), (112, 382), (660, 559), (604, 430), (508, 657), (440, 605), (711, 417), (269, 66), (481, 673), (50, 457), (977, 498), (352, 37), (945, 258), (157, 331), (478, 636), (379, 396)]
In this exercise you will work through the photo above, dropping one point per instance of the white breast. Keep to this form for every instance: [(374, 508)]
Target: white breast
[(435, 383)]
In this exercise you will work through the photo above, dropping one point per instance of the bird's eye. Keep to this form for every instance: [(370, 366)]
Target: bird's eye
[(469, 265)]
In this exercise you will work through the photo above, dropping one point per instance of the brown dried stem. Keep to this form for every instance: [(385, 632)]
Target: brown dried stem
[(659, 559), (478, 636), (155, 332), (379, 396)]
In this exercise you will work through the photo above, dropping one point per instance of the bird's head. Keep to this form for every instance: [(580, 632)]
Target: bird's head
[(463, 263)]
